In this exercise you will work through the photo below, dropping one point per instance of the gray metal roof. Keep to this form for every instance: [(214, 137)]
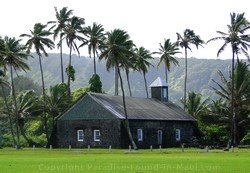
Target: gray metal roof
[(142, 108), (158, 83)]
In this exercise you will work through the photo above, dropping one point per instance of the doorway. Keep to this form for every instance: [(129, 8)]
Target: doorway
[(159, 137)]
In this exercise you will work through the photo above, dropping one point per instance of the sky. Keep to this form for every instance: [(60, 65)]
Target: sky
[(148, 22)]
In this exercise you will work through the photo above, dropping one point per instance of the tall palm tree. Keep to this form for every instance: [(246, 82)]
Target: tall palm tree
[(168, 51), (14, 57), (62, 16), (142, 63), (188, 38), (71, 33), (95, 37), (240, 42), (115, 51), (38, 38)]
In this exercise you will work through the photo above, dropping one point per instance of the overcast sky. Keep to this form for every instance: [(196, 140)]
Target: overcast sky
[(148, 22)]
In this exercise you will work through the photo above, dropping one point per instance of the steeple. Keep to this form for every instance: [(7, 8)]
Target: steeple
[(159, 90)]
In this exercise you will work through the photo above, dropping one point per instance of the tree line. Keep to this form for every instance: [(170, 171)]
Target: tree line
[(121, 54)]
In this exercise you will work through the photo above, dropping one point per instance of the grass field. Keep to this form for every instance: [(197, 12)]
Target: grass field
[(142, 161)]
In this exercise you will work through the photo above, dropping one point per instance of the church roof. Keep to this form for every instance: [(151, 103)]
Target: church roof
[(137, 109), (158, 83)]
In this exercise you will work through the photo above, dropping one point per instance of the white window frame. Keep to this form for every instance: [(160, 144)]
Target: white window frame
[(95, 135), (139, 134), (78, 135), (177, 134)]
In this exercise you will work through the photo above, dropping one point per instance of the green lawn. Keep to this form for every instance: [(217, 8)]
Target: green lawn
[(142, 161)]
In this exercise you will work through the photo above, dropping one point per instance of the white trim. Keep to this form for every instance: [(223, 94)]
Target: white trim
[(80, 135), (97, 135), (139, 134), (177, 134)]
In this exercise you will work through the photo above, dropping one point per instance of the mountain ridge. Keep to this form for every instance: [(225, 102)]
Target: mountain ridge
[(200, 73)]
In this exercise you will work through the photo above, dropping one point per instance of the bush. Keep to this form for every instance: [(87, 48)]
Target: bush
[(8, 142), (41, 141), (215, 135), (35, 128)]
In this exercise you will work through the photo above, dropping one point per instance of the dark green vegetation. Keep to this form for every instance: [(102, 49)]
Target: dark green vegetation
[(144, 161), (219, 101), (201, 72)]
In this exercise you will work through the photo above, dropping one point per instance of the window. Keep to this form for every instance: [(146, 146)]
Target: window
[(139, 135), (178, 134), (80, 135), (97, 135), (164, 92)]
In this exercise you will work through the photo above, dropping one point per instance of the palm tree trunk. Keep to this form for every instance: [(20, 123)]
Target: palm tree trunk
[(62, 72), (15, 107), (46, 128), (166, 71), (125, 112), (185, 82), (145, 82), (43, 87), (9, 116), (234, 121), (129, 88), (94, 62), (116, 81), (41, 70), (68, 91)]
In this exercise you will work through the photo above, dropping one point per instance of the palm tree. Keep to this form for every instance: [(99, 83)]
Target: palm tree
[(115, 51), (56, 101), (142, 63), (188, 38), (95, 37), (26, 101), (38, 38), (241, 92), (239, 41), (63, 16), (167, 52), (15, 58), (71, 34), (195, 106)]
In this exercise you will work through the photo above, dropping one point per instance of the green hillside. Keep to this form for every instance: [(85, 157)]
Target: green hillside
[(200, 72)]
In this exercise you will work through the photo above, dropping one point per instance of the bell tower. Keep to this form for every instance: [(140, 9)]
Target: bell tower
[(159, 90)]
